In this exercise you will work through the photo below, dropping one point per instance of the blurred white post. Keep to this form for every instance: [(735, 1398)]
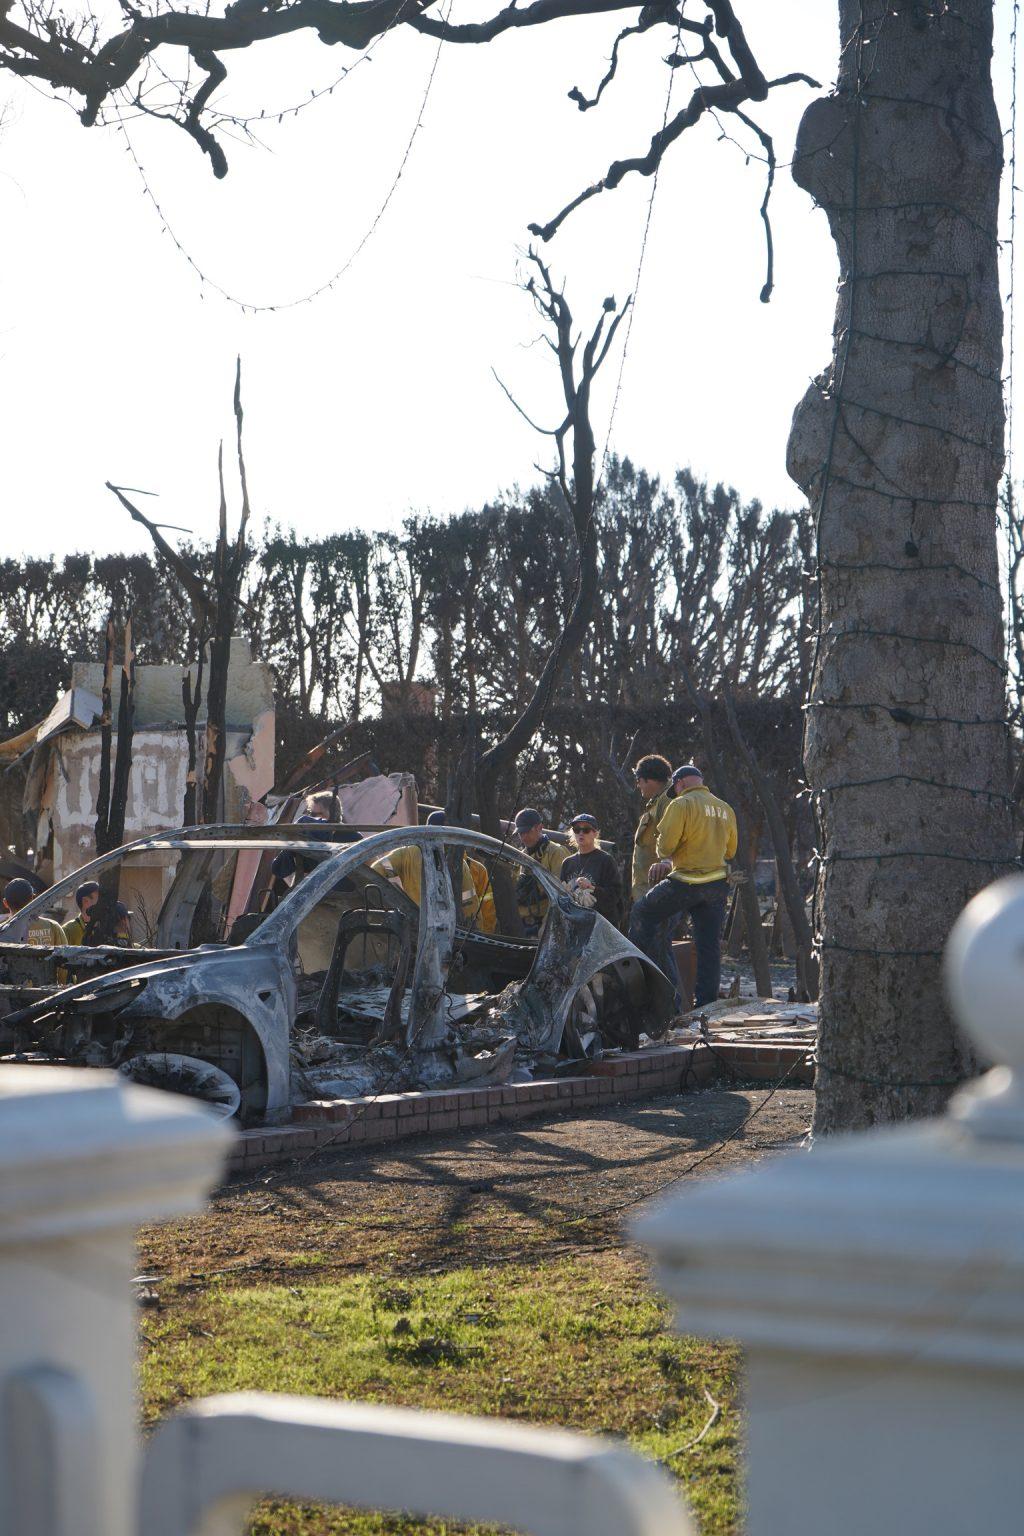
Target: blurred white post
[(877, 1284), (84, 1159)]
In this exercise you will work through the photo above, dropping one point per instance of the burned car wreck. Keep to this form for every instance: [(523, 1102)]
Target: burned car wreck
[(345, 987)]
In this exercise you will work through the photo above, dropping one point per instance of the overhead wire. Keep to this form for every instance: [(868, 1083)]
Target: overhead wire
[(640, 264), (248, 306)]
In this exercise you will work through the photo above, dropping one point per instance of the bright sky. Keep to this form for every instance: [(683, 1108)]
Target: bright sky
[(377, 398)]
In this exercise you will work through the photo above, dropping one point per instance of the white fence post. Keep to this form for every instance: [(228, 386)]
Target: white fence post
[(84, 1159), (207, 1465), (877, 1283)]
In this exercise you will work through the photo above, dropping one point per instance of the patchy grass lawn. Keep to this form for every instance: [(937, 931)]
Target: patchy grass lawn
[(577, 1341), (488, 1274)]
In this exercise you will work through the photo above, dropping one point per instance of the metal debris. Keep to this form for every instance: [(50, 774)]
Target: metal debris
[(345, 988)]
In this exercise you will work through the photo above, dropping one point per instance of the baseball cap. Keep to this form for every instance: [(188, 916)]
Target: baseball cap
[(17, 892), (686, 771), (584, 819), (528, 818), (437, 819)]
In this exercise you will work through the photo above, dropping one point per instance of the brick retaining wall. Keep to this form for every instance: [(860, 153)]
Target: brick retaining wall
[(630, 1075)]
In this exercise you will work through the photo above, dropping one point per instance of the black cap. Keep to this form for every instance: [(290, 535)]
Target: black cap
[(17, 892), (284, 864), (528, 818), (584, 819), (86, 889), (686, 771), (437, 819)]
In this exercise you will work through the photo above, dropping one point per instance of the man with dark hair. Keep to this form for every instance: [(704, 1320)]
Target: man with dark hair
[(533, 904), (86, 897), (696, 839), (38, 929), (653, 776)]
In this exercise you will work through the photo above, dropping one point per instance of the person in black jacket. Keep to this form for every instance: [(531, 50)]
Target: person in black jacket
[(591, 874)]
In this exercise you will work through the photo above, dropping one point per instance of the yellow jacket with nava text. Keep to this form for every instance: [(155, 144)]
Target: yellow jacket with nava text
[(698, 833)]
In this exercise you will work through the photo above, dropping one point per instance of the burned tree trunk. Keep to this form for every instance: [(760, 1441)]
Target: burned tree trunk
[(578, 493), (112, 792), (125, 732), (102, 832), (899, 446), (191, 698), (215, 608), (229, 563)]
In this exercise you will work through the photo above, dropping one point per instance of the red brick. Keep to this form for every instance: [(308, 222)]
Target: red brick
[(380, 1130), (472, 1117), (412, 1125), (444, 1119), (332, 1136)]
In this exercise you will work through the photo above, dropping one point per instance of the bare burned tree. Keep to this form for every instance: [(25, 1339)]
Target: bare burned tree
[(574, 478), (215, 602), (113, 790), (106, 70)]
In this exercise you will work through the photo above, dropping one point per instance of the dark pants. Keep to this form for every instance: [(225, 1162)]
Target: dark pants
[(658, 911)]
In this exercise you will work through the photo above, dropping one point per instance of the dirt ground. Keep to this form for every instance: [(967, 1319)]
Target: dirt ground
[(503, 1195)]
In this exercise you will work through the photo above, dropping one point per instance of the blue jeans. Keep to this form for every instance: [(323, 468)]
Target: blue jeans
[(655, 916)]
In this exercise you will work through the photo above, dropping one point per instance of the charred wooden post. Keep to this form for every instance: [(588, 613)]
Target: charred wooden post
[(102, 834)]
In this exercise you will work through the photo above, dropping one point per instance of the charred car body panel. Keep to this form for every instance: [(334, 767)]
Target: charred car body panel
[(237, 1005)]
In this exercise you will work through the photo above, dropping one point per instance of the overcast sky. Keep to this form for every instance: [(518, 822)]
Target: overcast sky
[(377, 398)]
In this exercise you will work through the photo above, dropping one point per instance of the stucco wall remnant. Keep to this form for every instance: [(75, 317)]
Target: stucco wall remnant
[(68, 776)]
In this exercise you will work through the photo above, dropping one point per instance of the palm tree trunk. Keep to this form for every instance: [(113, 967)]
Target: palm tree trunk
[(899, 446)]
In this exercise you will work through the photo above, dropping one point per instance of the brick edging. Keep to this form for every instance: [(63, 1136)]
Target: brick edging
[(436, 1112)]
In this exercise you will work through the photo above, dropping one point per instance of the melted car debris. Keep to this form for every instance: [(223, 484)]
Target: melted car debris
[(345, 988)]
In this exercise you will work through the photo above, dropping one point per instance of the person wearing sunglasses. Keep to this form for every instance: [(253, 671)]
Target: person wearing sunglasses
[(590, 873)]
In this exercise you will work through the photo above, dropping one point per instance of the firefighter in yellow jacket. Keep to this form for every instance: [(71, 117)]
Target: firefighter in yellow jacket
[(653, 776), (533, 903), (406, 866), (696, 839)]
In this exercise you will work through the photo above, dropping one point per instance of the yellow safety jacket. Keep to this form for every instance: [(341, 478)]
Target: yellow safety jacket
[(75, 930), (406, 865), (550, 856), (645, 841), (45, 930), (698, 833)]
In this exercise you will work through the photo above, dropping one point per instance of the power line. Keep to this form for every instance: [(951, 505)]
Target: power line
[(246, 305)]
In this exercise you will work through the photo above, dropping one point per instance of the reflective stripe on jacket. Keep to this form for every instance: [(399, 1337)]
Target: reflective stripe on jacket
[(406, 865)]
